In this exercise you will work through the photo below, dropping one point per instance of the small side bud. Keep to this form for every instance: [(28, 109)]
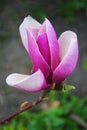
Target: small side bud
[(24, 105), (45, 98), (67, 87), (53, 86)]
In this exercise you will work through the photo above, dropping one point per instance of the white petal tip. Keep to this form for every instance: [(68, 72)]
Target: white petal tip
[(29, 83)]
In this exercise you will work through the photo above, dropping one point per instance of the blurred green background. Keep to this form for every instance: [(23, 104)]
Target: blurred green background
[(71, 108)]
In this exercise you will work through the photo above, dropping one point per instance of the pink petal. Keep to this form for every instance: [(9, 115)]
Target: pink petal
[(36, 57), (53, 44), (28, 23), (29, 83), (68, 53), (42, 42)]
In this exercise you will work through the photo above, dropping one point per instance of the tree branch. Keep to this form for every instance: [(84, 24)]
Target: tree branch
[(24, 106)]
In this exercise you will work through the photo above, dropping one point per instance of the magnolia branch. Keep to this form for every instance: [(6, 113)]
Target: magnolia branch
[(24, 106)]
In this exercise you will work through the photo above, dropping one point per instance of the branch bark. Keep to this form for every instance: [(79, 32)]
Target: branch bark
[(24, 106)]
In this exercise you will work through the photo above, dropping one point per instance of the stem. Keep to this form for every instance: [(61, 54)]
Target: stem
[(24, 106)]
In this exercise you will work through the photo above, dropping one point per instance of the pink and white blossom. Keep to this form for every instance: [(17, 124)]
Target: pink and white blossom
[(53, 59)]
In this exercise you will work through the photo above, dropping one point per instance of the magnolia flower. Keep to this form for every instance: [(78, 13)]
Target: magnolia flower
[(53, 60)]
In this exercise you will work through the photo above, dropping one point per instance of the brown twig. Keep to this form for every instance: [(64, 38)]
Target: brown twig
[(78, 119), (24, 106)]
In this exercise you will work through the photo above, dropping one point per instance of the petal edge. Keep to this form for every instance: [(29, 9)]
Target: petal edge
[(28, 83), (28, 23), (68, 62)]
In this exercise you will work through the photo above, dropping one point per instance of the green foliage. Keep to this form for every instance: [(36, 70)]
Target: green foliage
[(54, 117), (84, 63), (4, 36), (68, 9), (38, 12)]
